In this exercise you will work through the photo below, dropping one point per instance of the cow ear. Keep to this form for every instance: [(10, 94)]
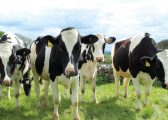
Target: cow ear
[(89, 39), (110, 40), (23, 52), (50, 40), (147, 61)]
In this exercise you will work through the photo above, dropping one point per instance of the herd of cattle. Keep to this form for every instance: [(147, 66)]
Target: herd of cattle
[(70, 59)]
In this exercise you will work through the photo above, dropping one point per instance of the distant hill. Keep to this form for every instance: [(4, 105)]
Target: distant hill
[(1, 33), (163, 44), (26, 40)]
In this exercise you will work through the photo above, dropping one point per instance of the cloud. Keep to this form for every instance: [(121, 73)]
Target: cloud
[(119, 18)]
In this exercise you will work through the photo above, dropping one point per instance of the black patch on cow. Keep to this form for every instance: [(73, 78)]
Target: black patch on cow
[(58, 60), (4, 38), (146, 47), (26, 82), (11, 65), (68, 28), (93, 47), (104, 45), (120, 58), (40, 51), (86, 55), (82, 59), (2, 72), (159, 70)]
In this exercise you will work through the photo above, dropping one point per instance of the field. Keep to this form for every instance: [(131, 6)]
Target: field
[(109, 107)]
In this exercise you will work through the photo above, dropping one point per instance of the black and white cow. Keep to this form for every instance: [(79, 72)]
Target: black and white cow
[(91, 56), (55, 59), (14, 64), (139, 59)]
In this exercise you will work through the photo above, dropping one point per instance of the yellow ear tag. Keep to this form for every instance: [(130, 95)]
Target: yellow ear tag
[(49, 44), (147, 64)]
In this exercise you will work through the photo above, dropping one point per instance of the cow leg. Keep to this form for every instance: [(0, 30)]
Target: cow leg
[(46, 89), (93, 85), (126, 84), (37, 89), (8, 92), (17, 93), (148, 87), (74, 96), (117, 82), (82, 87), (56, 99), (0, 91), (138, 93)]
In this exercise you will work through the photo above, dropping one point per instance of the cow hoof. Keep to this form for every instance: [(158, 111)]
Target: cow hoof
[(82, 101), (17, 108), (138, 109), (55, 116), (9, 98), (38, 105), (125, 96), (46, 103), (77, 118), (96, 101), (146, 104)]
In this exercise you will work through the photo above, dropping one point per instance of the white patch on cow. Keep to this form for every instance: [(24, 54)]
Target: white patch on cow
[(98, 52), (89, 70), (163, 57), (45, 73), (5, 53), (135, 41), (63, 80), (33, 55), (70, 38), (83, 47), (26, 68), (145, 79)]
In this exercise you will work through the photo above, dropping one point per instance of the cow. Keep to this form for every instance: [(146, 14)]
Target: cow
[(56, 58), (14, 63), (92, 55), (138, 58)]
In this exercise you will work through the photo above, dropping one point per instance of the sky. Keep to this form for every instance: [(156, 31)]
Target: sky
[(118, 18)]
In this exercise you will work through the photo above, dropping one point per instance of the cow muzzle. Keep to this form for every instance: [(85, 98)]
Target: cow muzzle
[(69, 72), (165, 85), (7, 82), (99, 59)]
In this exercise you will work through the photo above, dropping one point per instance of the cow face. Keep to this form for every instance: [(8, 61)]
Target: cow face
[(158, 64), (8, 62), (72, 48), (96, 50), (24, 66), (72, 41)]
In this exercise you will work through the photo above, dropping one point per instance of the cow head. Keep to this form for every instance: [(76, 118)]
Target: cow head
[(9, 59), (24, 67), (95, 52), (158, 64), (71, 48)]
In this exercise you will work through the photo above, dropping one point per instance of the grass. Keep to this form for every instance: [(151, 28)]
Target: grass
[(109, 107)]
